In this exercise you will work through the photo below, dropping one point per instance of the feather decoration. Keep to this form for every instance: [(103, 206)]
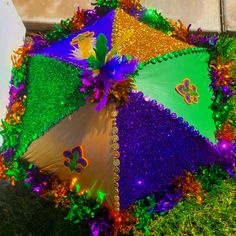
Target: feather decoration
[(107, 73)]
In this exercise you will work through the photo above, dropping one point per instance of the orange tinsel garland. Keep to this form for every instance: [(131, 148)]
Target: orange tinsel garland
[(18, 56), (130, 4), (121, 90), (123, 221), (77, 21), (190, 187), (225, 77), (180, 30), (3, 169), (59, 193), (227, 132)]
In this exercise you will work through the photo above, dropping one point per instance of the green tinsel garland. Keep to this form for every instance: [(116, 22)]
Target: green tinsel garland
[(224, 106), (10, 131), (211, 177), (109, 4), (61, 31), (155, 20)]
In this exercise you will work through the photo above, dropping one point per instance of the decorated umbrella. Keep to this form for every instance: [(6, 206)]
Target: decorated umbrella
[(115, 109)]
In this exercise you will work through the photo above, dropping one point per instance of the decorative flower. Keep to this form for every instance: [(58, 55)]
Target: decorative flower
[(106, 72), (75, 159), (188, 91)]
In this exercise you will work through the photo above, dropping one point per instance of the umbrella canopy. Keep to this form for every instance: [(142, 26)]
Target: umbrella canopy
[(125, 152)]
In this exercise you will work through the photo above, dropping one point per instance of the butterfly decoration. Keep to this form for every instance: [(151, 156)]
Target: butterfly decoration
[(75, 159), (188, 91)]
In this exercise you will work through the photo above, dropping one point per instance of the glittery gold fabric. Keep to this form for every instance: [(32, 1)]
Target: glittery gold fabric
[(143, 42)]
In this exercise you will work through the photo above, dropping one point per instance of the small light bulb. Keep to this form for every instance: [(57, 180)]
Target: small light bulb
[(140, 182)]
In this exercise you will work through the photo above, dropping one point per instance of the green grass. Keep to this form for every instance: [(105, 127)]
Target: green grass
[(23, 213), (215, 216)]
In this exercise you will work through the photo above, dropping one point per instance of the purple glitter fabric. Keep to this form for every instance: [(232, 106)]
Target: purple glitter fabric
[(155, 147), (62, 49)]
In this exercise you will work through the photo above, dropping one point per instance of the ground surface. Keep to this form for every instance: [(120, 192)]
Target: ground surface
[(22, 213)]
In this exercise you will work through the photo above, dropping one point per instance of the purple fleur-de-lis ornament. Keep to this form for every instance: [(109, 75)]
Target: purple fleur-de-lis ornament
[(75, 159), (188, 91)]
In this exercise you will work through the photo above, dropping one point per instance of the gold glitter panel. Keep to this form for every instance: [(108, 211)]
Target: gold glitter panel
[(131, 37)]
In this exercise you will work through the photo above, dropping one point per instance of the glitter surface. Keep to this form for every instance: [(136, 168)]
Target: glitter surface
[(143, 42), (155, 146), (158, 78), (53, 93), (62, 50)]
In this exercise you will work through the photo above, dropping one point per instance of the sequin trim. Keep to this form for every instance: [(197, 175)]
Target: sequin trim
[(171, 55), (116, 161), (174, 116)]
